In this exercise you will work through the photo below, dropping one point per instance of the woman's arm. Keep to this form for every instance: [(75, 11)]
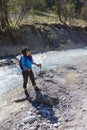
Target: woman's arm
[(39, 65)]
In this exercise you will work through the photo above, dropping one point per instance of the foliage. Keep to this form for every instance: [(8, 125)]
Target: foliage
[(12, 12)]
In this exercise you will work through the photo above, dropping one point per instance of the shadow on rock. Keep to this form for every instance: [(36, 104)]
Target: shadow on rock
[(46, 99), (44, 105)]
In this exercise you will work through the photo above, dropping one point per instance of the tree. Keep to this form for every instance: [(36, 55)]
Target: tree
[(84, 11), (68, 9), (6, 8), (38, 5), (4, 15), (61, 10), (71, 10)]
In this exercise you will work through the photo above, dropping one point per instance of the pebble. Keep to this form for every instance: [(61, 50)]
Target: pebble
[(29, 113), (20, 125), (55, 125), (29, 119), (32, 128), (45, 112)]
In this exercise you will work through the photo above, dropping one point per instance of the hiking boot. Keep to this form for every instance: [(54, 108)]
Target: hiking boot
[(37, 89), (27, 95)]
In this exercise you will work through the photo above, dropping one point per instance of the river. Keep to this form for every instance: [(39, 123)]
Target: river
[(11, 78)]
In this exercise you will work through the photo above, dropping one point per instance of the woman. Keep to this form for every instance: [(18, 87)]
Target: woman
[(26, 65)]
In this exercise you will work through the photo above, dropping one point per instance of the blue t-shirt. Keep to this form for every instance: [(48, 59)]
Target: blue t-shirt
[(26, 62)]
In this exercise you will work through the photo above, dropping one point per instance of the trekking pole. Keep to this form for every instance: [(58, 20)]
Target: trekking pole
[(29, 81), (40, 66)]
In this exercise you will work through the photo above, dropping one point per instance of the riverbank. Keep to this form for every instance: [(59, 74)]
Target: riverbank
[(43, 38), (69, 83)]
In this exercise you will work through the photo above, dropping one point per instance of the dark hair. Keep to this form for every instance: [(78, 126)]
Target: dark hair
[(25, 50)]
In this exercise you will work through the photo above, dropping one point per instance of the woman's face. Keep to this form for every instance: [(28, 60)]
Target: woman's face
[(28, 53)]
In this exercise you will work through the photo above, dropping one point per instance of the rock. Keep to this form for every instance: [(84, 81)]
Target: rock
[(32, 128), (20, 125), (29, 113), (42, 73), (55, 125), (46, 99), (45, 112), (6, 62), (29, 119)]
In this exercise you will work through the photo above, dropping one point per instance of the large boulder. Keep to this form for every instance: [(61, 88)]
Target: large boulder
[(46, 99), (48, 94)]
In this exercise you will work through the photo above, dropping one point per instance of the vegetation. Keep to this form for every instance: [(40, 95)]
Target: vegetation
[(13, 12)]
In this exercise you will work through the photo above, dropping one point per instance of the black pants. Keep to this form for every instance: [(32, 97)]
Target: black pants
[(27, 74)]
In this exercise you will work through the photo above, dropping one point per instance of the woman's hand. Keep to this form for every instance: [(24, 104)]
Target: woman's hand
[(29, 70), (39, 65)]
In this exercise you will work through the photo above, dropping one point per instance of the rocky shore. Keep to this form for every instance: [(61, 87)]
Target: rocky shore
[(61, 104)]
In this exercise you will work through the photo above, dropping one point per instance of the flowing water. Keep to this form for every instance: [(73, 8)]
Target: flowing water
[(11, 78)]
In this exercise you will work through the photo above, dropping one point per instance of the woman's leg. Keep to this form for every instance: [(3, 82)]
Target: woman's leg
[(32, 78), (25, 79), (33, 81)]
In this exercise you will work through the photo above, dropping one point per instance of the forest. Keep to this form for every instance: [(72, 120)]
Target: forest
[(13, 12)]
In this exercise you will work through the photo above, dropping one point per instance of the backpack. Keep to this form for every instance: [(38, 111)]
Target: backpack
[(20, 64), (23, 53)]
